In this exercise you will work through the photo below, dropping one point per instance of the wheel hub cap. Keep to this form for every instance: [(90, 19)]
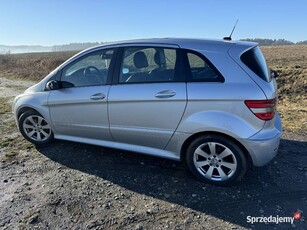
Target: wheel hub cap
[(214, 161)]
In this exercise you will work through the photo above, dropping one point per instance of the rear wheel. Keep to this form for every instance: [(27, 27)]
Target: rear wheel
[(216, 160), (35, 128)]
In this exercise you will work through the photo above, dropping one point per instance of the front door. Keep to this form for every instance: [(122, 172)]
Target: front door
[(80, 108)]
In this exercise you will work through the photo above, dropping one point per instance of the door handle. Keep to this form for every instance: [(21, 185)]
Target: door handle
[(165, 94), (98, 96)]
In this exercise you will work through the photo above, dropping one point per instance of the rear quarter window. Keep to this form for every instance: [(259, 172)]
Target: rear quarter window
[(255, 61), (200, 69)]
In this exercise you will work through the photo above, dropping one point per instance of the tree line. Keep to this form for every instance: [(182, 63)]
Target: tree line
[(273, 42)]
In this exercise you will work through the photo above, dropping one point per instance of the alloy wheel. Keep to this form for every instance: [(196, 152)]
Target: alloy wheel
[(36, 128), (215, 161)]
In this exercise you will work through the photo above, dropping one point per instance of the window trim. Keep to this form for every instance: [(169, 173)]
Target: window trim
[(188, 71), (120, 57)]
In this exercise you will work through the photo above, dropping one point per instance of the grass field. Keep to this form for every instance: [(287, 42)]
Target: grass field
[(289, 61)]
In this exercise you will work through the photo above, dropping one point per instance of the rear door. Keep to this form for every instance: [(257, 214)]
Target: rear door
[(149, 99)]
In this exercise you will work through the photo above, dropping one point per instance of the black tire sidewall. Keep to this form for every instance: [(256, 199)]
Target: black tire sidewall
[(20, 126), (238, 153)]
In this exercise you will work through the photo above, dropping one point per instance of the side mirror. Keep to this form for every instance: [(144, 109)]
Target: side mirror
[(52, 85), (66, 84), (274, 74)]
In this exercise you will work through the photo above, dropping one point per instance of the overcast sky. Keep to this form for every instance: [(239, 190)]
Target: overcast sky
[(56, 22)]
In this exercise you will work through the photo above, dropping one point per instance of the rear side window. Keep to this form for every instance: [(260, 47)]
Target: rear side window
[(148, 65), (201, 70), (255, 60)]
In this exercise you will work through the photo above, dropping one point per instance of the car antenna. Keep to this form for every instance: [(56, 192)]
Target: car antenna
[(229, 38)]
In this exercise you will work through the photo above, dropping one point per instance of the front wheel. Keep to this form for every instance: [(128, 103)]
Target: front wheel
[(216, 160), (35, 128)]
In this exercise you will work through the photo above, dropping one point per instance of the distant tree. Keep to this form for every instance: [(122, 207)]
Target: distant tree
[(282, 42), (7, 58)]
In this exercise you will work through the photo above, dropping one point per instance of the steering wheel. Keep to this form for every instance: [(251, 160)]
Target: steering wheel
[(87, 71)]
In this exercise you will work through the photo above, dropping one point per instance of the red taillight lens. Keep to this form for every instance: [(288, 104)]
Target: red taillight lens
[(263, 109)]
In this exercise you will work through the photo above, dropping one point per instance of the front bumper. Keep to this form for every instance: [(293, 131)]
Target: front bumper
[(263, 146), (14, 109)]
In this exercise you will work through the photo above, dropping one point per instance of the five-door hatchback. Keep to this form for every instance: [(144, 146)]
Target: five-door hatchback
[(210, 103)]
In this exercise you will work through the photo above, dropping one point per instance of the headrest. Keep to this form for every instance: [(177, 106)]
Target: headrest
[(140, 60), (159, 58)]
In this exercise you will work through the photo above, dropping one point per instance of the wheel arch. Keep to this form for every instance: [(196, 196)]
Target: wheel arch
[(25, 109), (189, 140), (37, 126)]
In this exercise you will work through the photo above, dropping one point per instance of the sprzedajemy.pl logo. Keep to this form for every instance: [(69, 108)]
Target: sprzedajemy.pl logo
[(273, 219)]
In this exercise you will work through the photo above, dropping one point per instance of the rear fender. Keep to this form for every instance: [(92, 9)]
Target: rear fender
[(218, 121)]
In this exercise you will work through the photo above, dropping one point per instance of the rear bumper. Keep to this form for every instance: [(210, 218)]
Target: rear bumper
[(263, 146)]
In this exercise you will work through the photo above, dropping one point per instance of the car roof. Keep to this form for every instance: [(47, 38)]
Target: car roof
[(204, 45), (188, 43)]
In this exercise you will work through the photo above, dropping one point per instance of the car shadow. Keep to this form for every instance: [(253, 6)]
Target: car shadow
[(279, 188)]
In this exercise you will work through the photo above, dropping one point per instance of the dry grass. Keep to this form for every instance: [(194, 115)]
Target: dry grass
[(10, 142), (294, 116), (5, 105), (31, 66)]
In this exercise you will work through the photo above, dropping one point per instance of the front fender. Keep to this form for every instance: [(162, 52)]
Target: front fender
[(36, 101)]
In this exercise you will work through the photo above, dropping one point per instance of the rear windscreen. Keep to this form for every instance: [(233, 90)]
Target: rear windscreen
[(255, 60)]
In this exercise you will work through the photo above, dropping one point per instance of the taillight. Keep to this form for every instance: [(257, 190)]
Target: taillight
[(263, 109)]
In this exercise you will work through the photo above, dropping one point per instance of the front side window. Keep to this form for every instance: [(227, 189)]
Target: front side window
[(201, 70), (148, 65), (89, 70)]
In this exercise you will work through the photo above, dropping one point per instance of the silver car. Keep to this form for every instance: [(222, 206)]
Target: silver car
[(209, 103)]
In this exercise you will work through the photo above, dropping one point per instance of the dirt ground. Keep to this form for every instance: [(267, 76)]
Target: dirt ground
[(69, 185)]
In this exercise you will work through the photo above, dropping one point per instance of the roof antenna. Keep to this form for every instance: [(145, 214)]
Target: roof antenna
[(229, 38)]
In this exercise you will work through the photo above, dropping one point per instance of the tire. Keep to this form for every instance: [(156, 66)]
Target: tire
[(216, 160), (35, 128)]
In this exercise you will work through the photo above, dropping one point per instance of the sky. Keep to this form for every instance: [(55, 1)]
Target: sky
[(57, 22)]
